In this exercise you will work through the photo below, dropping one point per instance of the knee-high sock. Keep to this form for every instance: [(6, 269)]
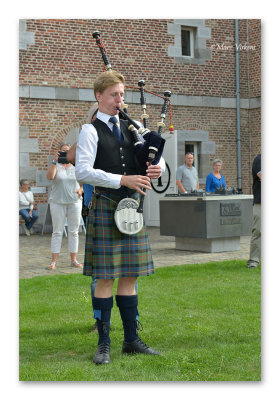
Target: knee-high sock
[(128, 310), (102, 313)]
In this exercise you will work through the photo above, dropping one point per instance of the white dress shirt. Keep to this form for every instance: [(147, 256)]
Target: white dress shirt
[(25, 198), (86, 153)]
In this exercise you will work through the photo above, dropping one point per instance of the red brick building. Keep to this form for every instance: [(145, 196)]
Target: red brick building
[(194, 59)]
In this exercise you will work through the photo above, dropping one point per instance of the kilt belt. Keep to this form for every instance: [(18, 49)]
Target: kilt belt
[(110, 254)]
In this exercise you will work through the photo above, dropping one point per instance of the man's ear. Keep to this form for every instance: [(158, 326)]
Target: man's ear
[(98, 96)]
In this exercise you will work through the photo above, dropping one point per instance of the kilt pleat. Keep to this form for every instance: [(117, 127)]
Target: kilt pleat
[(110, 254)]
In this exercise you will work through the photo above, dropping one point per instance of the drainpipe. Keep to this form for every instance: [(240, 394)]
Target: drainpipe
[(239, 173)]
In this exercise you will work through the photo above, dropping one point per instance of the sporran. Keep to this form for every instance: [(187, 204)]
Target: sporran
[(127, 219)]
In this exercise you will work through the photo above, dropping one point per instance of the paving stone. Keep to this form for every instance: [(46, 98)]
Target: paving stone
[(35, 254)]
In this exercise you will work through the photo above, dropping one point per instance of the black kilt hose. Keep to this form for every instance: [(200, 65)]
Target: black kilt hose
[(110, 254)]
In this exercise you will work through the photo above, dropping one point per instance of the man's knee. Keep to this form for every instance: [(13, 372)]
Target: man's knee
[(105, 282), (128, 280), (126, 286), (35, 215), (24, 214), (104, 288)]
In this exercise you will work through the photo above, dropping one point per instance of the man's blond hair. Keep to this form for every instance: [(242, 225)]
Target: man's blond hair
[(107, 79)]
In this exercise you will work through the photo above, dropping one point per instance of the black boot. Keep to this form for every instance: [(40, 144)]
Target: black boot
[(102, 355), (102, 313), (132, 342), (137, 346)]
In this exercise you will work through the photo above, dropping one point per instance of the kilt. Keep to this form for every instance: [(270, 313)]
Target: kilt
[(110, 254)]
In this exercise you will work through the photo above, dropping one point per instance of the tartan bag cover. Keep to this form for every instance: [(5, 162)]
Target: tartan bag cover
[(110, 254)]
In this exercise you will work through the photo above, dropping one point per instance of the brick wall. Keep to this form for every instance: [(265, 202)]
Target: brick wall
[(255, 58), (64, 54)]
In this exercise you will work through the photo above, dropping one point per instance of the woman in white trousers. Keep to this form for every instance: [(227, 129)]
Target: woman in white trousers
[(65, 203)]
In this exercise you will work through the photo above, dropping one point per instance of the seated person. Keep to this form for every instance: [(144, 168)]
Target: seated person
[(26, 204), (215, 179)]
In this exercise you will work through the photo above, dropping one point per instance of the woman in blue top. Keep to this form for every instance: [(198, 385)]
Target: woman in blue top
[(215, 179)]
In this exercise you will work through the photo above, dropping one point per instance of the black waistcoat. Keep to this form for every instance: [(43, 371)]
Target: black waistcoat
[(111, 155)]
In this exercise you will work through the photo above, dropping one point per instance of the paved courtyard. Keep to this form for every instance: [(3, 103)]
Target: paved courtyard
[(35, 254)]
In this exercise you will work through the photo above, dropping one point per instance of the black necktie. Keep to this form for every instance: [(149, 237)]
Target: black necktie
[(116, 129)]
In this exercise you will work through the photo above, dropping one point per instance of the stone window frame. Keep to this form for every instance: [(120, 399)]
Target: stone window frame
[(201, 35), (25, 37)]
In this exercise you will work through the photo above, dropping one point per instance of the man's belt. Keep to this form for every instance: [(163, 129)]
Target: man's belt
[(121, 192)]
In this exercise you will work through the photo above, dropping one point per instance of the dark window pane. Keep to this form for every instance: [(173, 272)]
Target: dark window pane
[(186, 42), (189, 148)]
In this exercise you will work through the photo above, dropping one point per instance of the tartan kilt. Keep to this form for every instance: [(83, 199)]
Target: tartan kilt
[(110, 254)]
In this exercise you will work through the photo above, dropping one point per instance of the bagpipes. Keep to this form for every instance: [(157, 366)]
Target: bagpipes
[(148, 150)]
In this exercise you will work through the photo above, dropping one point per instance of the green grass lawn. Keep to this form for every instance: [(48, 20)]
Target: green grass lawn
[(204, 318)]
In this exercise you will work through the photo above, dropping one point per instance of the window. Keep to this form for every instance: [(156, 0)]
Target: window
[(190, 41), (187, 41)]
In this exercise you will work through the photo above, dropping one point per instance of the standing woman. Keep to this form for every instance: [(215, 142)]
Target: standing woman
[(215, 179), (65, 202)]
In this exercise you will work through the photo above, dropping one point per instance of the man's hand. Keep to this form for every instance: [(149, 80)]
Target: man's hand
[(56, 156), (153, 171), (136, 182), (30, 212), (180, 186)]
